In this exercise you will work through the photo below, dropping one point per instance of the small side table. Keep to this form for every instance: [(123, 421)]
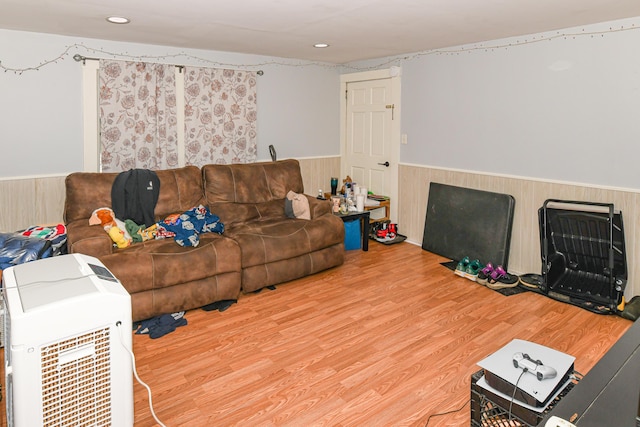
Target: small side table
[(386, 204), (363, 217)]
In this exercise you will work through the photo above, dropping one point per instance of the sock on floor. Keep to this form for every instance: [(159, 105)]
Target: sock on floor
[(219, 305), (160, 326)]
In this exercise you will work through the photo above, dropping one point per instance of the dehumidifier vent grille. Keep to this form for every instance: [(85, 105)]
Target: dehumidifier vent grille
[(76, 380)]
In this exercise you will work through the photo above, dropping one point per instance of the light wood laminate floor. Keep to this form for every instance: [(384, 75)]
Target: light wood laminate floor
[(387, 339)]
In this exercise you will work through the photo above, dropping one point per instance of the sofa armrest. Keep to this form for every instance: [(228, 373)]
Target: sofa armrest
[(318, 207), (88, 239)]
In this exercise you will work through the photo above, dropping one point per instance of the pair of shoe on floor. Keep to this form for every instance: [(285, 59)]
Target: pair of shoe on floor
[(468, 269), (492, 277)]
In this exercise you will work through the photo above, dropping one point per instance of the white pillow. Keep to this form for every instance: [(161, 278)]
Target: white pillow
[(300, 205)]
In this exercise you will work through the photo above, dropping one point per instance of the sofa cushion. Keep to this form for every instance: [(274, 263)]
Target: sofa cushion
[(162, 263), (268, 241), (180, 190), (163, 277), (245, 192)]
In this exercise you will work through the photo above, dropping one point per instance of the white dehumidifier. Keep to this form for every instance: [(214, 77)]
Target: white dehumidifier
[(67, 331)]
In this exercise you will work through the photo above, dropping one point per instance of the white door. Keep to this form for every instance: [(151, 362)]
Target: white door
[(369, 154), (369, 114)]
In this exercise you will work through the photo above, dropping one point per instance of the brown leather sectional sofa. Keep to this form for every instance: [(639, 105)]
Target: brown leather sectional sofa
[(260, 245)]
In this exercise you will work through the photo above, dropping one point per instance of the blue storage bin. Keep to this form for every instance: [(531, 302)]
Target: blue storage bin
[(352, 237)]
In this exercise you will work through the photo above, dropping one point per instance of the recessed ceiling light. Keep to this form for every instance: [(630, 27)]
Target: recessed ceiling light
[(321, 45), (118, 20)]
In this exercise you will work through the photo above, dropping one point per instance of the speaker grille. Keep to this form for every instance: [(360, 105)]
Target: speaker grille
[(76, 380)]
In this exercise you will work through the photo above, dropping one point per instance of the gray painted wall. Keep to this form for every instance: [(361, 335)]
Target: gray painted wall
[(544, 106), (562, 106), (41, 124)]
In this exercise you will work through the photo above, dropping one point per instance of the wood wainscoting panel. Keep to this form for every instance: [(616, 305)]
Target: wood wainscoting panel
[(530, 195), (31, 201), (317, 173)]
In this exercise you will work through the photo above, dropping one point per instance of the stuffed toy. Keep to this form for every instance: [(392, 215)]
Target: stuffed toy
[(107, 219), (149, 233), (138, 232), (118, 237), (103, 217), (346, 184)]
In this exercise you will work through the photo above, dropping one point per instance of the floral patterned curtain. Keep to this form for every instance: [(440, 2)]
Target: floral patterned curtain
[(220, 116), (138, 123)]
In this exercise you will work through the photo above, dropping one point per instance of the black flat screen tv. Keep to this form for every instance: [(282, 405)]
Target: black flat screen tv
[(467, 222)]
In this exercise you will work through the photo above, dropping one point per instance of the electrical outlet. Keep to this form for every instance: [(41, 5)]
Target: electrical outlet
[(404, 139)]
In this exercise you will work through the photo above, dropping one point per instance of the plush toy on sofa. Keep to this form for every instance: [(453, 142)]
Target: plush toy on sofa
[(112, 225), (118, 237), (138, 232)]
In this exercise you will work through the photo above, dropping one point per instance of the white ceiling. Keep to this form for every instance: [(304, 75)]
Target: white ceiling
[(355, 29)]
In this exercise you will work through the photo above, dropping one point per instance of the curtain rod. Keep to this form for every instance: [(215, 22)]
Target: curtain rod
[(77, 57)]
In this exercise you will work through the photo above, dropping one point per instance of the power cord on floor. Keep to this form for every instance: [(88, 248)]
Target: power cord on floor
[(453, 411), (135, 373)]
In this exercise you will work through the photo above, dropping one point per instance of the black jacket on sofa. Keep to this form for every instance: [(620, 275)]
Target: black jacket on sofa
[(134, 195)]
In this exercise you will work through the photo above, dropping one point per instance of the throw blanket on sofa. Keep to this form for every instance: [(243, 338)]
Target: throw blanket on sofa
[(186, 227)]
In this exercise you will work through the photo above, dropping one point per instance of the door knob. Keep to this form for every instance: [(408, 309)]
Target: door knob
[(384, 164)]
